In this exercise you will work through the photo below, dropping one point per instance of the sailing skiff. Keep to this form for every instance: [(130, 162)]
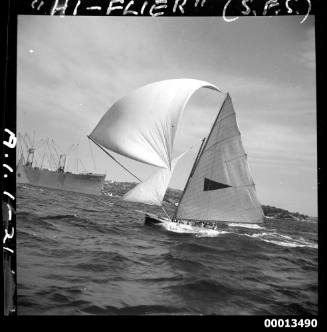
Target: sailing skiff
[(142, 126)]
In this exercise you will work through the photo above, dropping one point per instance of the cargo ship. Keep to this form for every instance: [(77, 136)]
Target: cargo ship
[(87, 183)]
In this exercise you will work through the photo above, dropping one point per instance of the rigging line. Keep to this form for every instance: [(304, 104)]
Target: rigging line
[(72, 149), (49, 148), (49, 163), (26, 140), (77, 158), (71, 153), (113, 158), (166, 213), (95, 167), (197, 157), (69, 149), (52, 158), (33, 138), (38, 143), (42, 159), (53, 144), (20, 151), (169, 202), (80, 160)]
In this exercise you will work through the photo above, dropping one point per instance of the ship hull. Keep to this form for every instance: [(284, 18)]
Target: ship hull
[(81, 183)]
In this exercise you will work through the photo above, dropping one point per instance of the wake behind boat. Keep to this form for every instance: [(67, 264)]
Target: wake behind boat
[(142, 126)]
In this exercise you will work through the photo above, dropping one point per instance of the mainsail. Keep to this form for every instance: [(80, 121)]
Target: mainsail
[(152, 190), (220, 186), (143, 124)]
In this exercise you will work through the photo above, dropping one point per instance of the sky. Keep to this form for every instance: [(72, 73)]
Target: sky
[(70, 70)]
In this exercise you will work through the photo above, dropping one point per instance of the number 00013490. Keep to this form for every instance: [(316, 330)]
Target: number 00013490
[(293, 322)]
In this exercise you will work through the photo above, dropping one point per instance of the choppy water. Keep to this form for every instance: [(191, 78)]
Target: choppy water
[(78, 254)]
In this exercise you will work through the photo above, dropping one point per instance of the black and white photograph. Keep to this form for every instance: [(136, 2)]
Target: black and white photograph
[(166, 165)]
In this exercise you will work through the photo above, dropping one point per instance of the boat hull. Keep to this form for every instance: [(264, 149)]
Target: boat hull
[(152, 219), (81, 183)]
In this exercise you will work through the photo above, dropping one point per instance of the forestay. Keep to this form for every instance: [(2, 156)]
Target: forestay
[(221, 187), (152, 190), (142, 125)]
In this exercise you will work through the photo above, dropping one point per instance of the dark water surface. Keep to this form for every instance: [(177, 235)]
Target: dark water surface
[(79, 254)]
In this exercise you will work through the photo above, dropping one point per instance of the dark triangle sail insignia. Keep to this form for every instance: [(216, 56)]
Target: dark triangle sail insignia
[(213, 185)]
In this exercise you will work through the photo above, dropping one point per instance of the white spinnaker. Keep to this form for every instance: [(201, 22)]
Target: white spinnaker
[(142, 125), (230, 192), (153, 189)]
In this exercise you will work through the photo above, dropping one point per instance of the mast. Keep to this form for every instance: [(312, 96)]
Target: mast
[(197, 157), (62, 163), (203, 145), (30, 157), (191, 173), (42, 160), (113, 158)]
